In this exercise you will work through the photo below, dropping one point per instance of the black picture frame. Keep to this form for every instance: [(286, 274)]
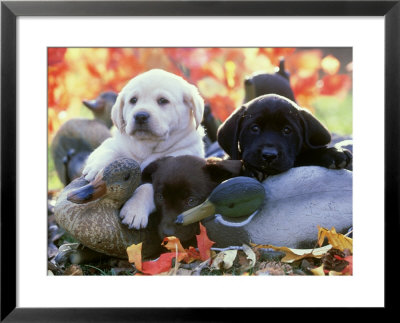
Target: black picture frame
[(11, 10)]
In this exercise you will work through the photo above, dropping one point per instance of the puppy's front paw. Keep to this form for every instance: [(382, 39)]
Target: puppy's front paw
[(338, 158), (134, 217), (91, 170)]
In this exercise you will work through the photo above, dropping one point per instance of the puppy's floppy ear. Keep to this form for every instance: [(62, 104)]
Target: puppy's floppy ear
[(148, 172), (195, 102), (117, 113), (222, 169), (316, 135), (150, 169), (228, 133)]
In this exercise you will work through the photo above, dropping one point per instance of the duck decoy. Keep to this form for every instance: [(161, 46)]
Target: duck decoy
[(294, 205), (266, 83), (101, 107), (236, 197), (89, 211), (78, 137)]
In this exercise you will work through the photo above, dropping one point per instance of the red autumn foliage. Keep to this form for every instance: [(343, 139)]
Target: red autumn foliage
[(173, 245), (204, 243), (55, 55), (162, 264), (335, 84), (75, 74)]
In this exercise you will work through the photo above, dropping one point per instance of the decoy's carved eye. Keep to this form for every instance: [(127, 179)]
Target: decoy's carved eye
[(191, 201), (127, 177)]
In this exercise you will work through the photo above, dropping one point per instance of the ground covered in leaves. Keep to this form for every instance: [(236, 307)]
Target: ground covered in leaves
[(332, 255)]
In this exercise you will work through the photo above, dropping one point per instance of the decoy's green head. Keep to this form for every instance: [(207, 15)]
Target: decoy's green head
[(116, 183)]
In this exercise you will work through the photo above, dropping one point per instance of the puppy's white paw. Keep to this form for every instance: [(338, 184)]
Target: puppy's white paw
[(134, 217), (91, 170)]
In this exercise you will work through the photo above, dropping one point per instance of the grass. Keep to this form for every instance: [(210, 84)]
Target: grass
[(335, 113), (53, 181)]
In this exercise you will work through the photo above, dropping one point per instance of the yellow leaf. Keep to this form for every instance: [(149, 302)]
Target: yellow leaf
[(171, 243), (292, 255), (319, 271), (337, 240), (135, 255)]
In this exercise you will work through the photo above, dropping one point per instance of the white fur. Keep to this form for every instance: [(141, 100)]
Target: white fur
[(173, 129)]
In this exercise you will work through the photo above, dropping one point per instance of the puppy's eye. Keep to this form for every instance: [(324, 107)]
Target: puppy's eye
[(133, 100), (255, 129), (127, 177), (159, 197), (192, 201), (162, 101), (287, 130)]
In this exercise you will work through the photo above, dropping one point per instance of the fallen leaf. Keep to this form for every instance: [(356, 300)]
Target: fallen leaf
[(162, 264), (246, 258), (334, 260), (273, 268), (171, 242), (224, 260), (73, 270), (292, 255), (319, 271), (251, 257), (204, 243), (191, 255), (135, 255), (337, 240), (349, 269)]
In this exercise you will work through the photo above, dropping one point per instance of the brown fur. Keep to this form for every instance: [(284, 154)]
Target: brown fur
[(183, 182)]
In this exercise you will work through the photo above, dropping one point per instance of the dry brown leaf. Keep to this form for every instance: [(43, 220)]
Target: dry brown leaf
[(292, 255), (73, 270), (337, 240)]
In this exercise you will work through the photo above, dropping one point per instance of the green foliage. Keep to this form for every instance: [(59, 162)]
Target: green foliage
[(53, 181), (336, 113)]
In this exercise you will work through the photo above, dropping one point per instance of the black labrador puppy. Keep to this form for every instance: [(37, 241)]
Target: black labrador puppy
[(272, 134)]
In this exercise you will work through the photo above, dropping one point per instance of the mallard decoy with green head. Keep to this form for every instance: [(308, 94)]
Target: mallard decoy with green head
[(284, 210)]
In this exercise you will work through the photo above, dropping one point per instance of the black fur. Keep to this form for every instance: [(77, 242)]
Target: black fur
[(271, 134)]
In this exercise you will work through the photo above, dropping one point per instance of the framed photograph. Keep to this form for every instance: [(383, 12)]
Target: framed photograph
[(339, 60)]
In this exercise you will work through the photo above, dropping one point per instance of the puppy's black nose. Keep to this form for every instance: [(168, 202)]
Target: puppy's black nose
[(269, 154), (142, 117)]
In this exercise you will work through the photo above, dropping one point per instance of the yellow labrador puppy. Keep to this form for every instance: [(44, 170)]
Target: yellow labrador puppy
[(157, 114)]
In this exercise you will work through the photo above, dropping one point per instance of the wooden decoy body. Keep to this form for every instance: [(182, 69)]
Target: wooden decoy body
[(90, 211), (296, 203)]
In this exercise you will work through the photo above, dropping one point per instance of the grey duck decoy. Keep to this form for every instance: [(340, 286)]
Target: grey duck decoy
[(89, 211), (77, 138)]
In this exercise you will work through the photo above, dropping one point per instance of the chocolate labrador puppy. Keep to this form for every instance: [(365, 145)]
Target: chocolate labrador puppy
[(181, 183), (271, 134)]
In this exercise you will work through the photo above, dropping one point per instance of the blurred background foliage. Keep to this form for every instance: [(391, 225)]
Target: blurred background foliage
[(321, 78)]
